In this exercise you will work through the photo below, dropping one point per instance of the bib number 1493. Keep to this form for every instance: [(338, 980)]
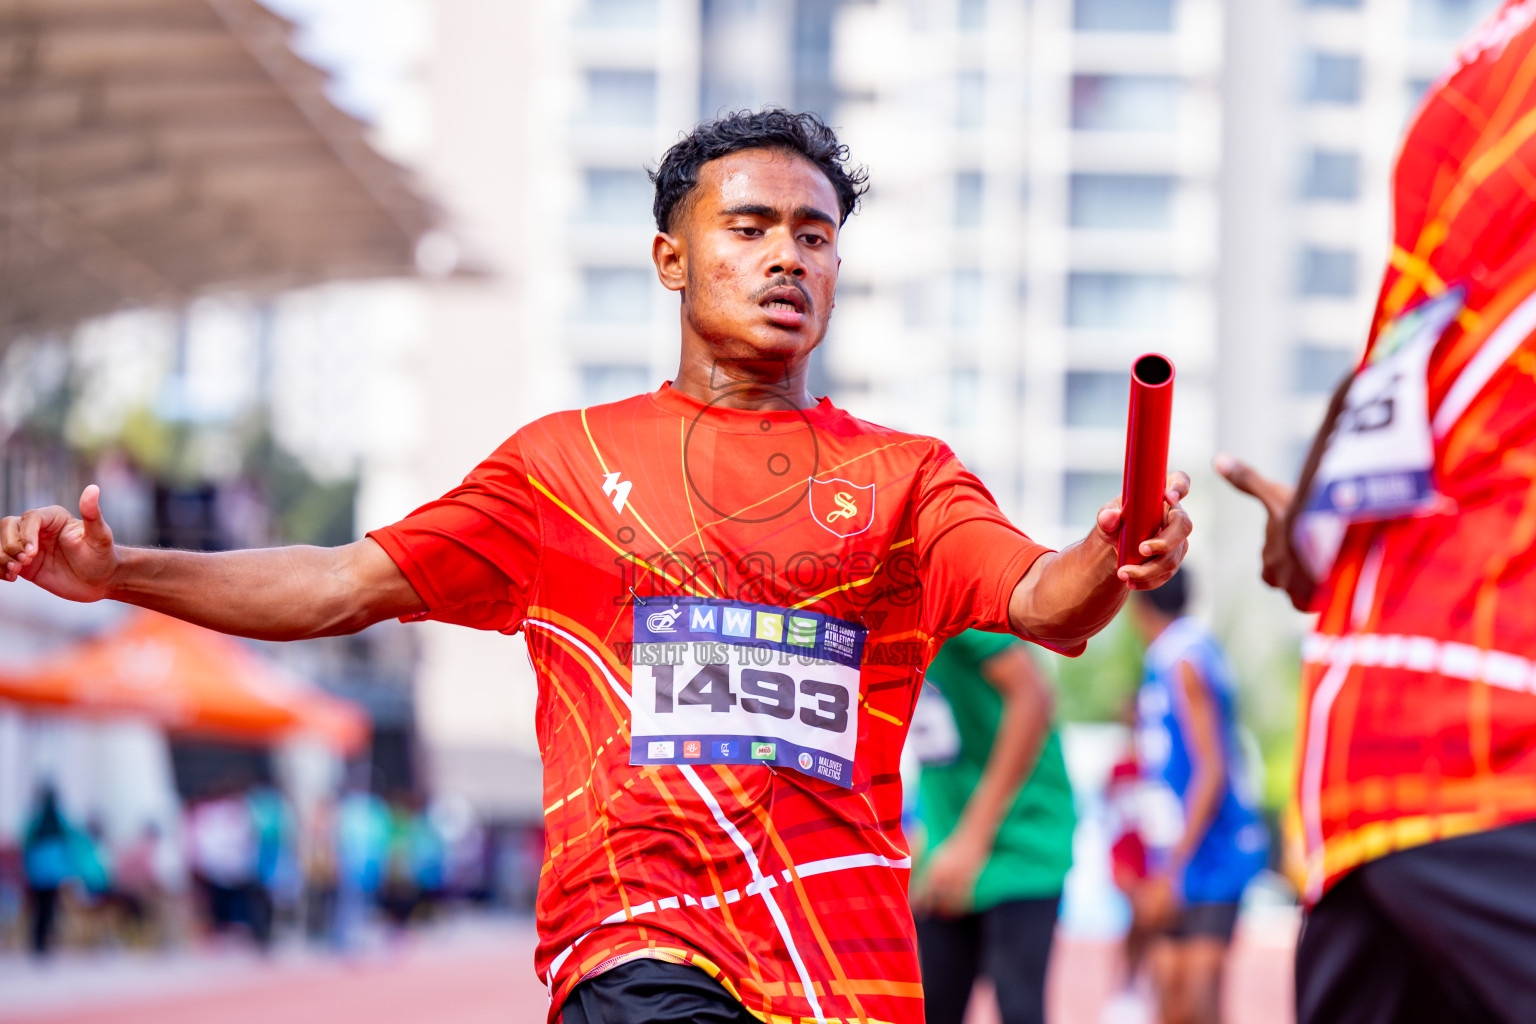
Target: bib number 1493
[(726, 682), (757, 691)]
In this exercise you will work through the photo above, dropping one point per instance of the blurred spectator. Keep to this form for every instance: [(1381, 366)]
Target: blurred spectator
[(1204, 839), (362, 840), (1128, 856), (222, 840), (274, 878), (318, 857), (428, 857), (995, 808), (13, 889), (50, 852), (136, 888), (399, 894)]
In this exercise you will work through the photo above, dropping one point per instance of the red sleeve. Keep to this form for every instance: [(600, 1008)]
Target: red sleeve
[(969, 555), (473, 555)]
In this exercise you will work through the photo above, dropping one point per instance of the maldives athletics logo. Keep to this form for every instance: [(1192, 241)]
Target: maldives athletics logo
[(842, 507)]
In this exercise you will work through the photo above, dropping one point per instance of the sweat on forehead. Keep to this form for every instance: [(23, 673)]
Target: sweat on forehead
[(803, 136)]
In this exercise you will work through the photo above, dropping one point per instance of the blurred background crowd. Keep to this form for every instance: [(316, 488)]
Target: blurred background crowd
[(278, 272)]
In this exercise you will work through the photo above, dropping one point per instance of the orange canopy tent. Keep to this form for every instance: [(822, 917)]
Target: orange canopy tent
[(190, 680)]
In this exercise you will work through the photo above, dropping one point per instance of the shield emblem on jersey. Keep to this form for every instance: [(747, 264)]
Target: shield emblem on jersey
[(842, 507)]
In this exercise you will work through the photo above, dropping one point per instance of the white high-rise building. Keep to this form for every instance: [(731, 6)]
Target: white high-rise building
[(1044, 209)]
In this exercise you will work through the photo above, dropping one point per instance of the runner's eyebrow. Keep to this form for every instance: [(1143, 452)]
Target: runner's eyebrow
[(772, 213)]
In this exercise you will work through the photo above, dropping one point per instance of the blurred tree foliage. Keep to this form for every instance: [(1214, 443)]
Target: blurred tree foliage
[(305, 510), (1099, 685)]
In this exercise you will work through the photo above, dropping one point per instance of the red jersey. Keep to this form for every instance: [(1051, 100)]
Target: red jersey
[(729, 613), (1419, 721)]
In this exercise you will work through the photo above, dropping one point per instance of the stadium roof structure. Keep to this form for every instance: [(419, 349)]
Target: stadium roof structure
[(154, 150)]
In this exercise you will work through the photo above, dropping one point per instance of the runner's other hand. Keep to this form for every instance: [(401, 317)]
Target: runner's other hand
[(73, 558), (947, 883), (1155, 904), (1163, 552), (1282, 569)]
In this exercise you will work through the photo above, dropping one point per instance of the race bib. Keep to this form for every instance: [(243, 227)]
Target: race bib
[(1380, 460), (728, 682)]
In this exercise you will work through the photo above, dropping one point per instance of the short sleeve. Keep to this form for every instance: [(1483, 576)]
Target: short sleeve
[(473, 555), (970, 556)]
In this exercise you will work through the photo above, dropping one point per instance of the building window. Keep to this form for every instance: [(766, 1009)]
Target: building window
[(1317, 368), (1098, 300), (964, 395), (1446, 19), (616, 294), (612, 382), (1123, 15), (968, 191), (1327, 273), (972, 15), (966, 292), (617, 195), (1121, 202), (621, 98), (1331, 78), (1082, 493), (1417, 89), (621, 13), (970, 99), (1331, 175), (813, 85), (1096, 398), (1125, 103)]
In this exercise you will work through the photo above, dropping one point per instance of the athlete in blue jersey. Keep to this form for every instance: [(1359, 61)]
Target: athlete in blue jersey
[(1205, 840)]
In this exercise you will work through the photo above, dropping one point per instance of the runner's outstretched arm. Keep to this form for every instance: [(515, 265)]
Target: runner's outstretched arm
[(1282, 567), (287, 593), (1068, 596)]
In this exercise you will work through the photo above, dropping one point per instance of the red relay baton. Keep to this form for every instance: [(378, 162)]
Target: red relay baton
[(1146, 454)]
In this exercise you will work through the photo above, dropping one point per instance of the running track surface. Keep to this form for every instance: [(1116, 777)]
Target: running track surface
[(482, 977)]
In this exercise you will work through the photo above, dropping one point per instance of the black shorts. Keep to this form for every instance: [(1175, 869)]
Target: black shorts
[(1010, 943), (1444, 932), (1203, 921), (652, 992)]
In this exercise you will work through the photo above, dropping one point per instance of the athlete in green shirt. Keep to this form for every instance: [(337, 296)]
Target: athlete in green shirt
[(997, 820)]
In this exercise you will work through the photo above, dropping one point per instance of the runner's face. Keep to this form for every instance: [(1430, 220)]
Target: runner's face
[(756, 255)]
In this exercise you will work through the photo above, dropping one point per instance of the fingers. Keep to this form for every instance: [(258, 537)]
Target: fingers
[(96, 529), (1275, 495), (20, 538), (1178, 486), (1163, 552), (1109, 517), (12, 547)]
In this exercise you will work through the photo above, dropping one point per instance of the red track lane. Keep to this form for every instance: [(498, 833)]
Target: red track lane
[(490, 981)]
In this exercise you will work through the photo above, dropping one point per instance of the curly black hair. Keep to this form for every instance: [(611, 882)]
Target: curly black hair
[(804, 135)]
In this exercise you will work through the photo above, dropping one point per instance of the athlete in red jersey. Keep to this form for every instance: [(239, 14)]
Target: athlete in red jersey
[(1417, 747), (729, 592)]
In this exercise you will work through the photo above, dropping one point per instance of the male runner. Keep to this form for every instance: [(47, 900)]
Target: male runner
[(1205, 839), (1417, 785), (996, 810), (729, 590)]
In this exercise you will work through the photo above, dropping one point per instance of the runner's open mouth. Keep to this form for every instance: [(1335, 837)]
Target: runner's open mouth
[(786, 299)]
